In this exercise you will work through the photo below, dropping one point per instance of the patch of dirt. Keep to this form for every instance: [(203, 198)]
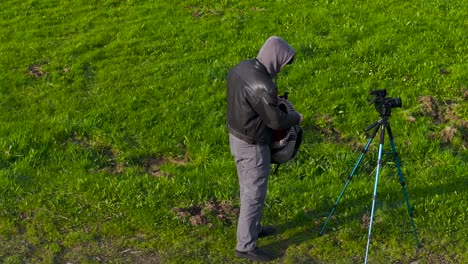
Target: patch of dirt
[(36, 70), (409, 117), (199, 12), (365, 221), (107, 158), (223, 211), (115, 168), (326, 127), (153, 165), (195, 215), (357, 146), (139, 256), (106, 155), (447, 134), (443, 112), (464, 124), (201, 214), (429, 106), (444, 71), (107, 251), (426, 255)]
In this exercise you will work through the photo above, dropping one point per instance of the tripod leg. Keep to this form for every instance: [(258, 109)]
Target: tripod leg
[(402, 183), (374, 197), (350, 177)]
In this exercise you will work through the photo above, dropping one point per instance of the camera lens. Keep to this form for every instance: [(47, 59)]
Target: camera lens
[(394, 102)]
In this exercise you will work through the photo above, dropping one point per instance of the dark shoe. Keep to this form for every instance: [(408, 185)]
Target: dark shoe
[(257, 254), (266, 231)]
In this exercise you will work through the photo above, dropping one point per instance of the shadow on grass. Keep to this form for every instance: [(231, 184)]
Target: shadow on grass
[(305, 227)]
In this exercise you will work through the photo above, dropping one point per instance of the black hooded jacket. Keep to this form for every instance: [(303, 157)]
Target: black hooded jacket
[(252, 107)]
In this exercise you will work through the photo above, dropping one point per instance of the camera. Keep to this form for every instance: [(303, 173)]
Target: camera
[(384, 104)]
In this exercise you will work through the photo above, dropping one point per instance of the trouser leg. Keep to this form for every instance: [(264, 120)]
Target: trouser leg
[(253, 169)]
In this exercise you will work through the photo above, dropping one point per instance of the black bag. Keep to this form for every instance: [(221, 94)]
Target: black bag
[(286, 142)]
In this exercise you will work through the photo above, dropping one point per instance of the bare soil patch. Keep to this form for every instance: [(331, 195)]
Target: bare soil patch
[(429, 107), (326, 127), (203, 214), (444, 112), (36, 70), (107, 251), (365, 221), (447, 134), (107, 156), (153, 165), (441, 111)]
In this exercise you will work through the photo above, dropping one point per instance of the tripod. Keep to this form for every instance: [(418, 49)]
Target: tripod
[(383, 125)]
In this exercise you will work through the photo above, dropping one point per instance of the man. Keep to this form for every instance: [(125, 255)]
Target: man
[(252, 116)]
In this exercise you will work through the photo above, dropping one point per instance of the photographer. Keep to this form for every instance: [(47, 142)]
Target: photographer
[(252, 115)]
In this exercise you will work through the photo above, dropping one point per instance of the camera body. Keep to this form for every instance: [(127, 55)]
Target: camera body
[(384, 104)]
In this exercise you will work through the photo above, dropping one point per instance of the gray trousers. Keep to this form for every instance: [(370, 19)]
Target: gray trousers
[(253, 170)]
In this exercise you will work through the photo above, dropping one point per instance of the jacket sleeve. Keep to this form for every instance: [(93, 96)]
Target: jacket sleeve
[(267, 107)]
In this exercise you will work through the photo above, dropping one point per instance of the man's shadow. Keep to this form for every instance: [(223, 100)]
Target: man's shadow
[(304, 227)]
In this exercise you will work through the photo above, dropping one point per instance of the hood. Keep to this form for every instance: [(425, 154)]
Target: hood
[(274, 54)]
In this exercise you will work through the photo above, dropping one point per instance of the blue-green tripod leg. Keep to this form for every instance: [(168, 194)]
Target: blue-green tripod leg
[(374, 197), (402, 183), (350, 177)]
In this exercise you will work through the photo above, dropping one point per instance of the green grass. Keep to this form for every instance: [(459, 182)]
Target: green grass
[(113, 138)]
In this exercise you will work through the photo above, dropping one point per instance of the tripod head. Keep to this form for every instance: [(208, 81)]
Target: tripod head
[(384, 104)]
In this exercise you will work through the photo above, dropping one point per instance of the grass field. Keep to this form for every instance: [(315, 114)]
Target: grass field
[(113, 146)]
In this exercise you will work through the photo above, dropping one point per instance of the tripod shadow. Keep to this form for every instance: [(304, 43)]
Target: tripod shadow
[(418, 196), (304, 229)]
